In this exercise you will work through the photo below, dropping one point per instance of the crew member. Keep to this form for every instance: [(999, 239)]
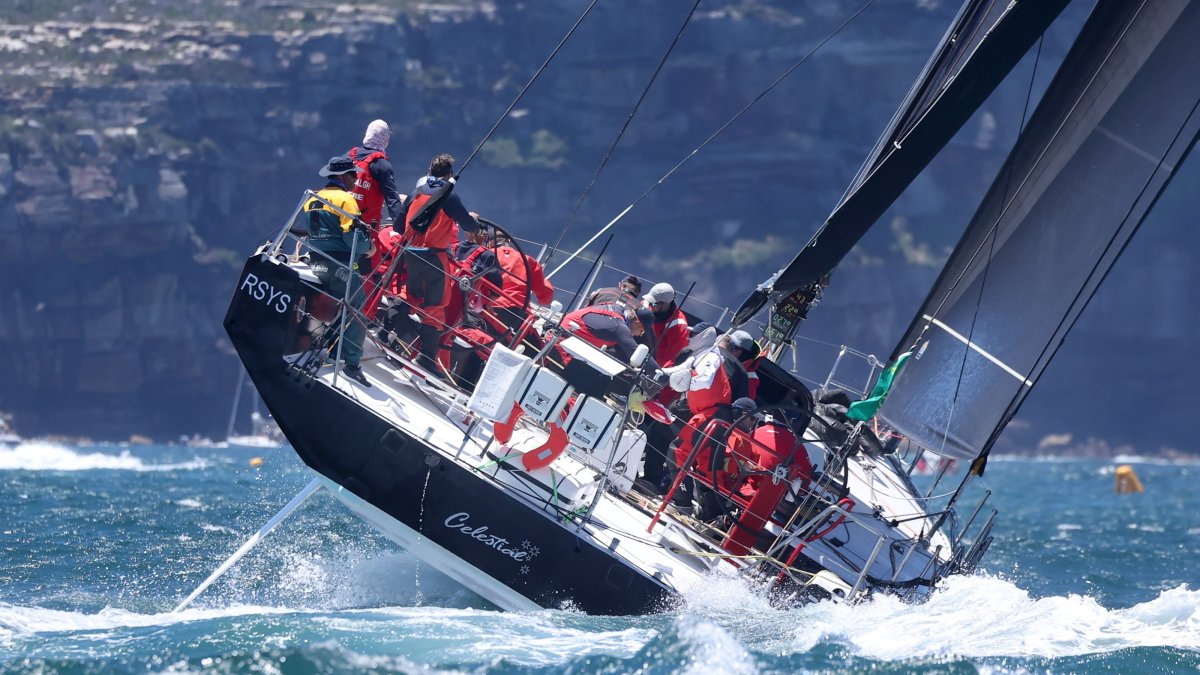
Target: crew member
[(778, 459), (375, 184), (428, 234), (626, 292), (335, 231), (374, 188), (670, 325), (717, 380), (510, 306), (611, 326)]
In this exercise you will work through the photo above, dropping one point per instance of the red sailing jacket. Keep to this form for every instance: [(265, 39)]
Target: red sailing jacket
[(717, 380), (442, 232), (773, 444), (515, 283), (671, 336), (751, 367), (366, 191), (574, 323)]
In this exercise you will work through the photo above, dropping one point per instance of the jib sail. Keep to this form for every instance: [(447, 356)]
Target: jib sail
[(1119, 117)]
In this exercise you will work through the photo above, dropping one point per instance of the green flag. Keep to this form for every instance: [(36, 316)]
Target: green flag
[(863, 410)]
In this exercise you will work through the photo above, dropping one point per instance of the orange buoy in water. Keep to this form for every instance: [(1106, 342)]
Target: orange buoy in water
[(1127, 481), (258, 461)]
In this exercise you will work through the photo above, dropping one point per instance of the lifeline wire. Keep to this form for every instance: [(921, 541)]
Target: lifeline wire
[(710, 139), (524, 89), (624, 127)]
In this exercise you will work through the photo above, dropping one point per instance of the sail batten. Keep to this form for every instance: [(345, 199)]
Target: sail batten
[(1119, 117)]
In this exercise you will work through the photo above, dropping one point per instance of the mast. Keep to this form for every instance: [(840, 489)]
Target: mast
[(982, 46)]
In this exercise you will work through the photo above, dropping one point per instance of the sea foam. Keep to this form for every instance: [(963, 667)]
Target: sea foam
[(43, 456)]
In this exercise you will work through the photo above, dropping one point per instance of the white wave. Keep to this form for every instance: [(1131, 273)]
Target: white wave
[(17, 621), (42, 456), (972, 617), (543, 638), (713, 650), (980, 616)]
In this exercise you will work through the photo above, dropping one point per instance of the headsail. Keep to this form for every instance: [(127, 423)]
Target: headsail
[(1118, 119), (985, 42)]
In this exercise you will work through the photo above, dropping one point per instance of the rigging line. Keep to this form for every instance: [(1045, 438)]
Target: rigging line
[(612, 148), (902, 132), (987, 265), (524, 89), (716, 133)]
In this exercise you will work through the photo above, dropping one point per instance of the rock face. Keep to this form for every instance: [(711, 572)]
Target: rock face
[(146, 148)]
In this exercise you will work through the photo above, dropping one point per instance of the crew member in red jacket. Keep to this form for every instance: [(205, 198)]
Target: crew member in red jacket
[(772, 447), (522, 275), (670, 325), (375, 185), (611, 327), (375, 188), (426, 260), (717, 380)]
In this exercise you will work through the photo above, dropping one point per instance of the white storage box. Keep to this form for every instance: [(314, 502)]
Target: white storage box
[(591, 423), (626, 458), (503, 375), (544, 395)]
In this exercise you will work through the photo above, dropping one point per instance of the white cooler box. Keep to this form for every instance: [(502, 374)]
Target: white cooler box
[(627, 456), (544, 395), (590, 423), (592, 428)]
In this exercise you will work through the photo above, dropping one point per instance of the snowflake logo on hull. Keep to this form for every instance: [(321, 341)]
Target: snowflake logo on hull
[(524, 569)]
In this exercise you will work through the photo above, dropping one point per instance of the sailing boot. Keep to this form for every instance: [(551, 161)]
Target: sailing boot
[(431, 343)]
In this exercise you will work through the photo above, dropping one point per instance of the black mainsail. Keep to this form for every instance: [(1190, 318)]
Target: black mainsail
[(984, 43), (1118, 119)]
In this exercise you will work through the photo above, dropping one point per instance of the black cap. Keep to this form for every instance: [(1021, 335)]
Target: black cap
[(337, 166), (744, 405), (646, 317)]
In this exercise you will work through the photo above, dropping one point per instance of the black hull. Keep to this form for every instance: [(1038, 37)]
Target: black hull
[(523, 548)]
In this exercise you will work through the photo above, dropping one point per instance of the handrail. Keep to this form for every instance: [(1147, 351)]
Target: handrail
[(866, 568)]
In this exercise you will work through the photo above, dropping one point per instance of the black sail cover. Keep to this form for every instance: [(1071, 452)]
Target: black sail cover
[(985, 41), (1117, 120)]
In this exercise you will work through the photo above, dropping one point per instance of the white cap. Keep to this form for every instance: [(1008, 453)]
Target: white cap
[(741, 339), (662, 292)]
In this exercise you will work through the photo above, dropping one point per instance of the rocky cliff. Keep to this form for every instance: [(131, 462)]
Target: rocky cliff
[(147, 145)]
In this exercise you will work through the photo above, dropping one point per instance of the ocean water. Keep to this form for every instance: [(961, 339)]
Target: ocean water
[(99, 543)]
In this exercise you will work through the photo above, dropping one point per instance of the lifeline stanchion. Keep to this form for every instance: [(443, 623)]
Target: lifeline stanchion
[(252, 541)]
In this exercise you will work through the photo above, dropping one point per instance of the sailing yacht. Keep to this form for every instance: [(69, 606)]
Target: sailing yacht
[(263, 434), (8, 437), (521, 485)]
